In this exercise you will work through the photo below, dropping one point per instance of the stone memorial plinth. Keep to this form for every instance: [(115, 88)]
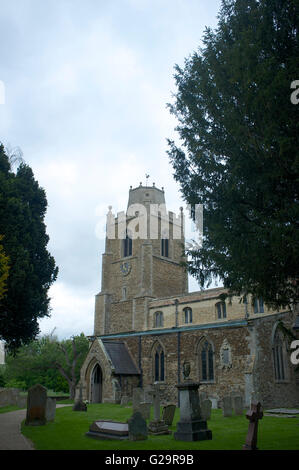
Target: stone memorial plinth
[(191, 426), (36, 406), (108, 430)]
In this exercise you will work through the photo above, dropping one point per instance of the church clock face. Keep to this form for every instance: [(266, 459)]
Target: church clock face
[(125, 268)]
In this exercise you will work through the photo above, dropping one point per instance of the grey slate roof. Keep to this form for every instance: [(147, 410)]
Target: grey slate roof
[(120, 357)]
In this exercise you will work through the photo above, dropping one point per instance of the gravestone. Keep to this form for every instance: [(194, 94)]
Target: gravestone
[(157, 426), (215, 403), (238, 405), (191, 426), (205, 409), (254, 414), (202, 396), (79, 404), (9, 396), (124, 400), (145, 410), (137, 427), (137, 398), (227, 406), (36, 406), (108, 430), (50, 409), (168, 414), (148, 397)]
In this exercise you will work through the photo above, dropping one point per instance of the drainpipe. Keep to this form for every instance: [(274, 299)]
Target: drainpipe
[(139, 361), (176, 303), (179, 363)]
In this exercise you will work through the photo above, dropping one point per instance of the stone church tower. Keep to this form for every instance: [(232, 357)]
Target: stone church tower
[(147, 325), (142, 261)]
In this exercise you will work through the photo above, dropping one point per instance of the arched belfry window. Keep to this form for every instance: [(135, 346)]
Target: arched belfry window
[(205, 355), (280, 356), (187, 315), (158, 319), (220, 310), (165, 247), (127, 246), (258, 304), (158, 364)]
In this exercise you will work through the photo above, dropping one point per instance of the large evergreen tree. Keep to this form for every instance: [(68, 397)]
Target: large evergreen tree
[(238, 149), (4, 269), (32, 269)]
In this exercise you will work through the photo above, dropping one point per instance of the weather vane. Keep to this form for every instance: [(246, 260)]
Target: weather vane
[(146, 177)]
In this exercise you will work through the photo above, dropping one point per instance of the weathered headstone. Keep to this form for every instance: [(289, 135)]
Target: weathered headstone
[(137, 427), (238, 405), (168, 414), (50, 409), (157, 426), (254, 414), (137, 398), (227, 406), (215, 403), (79, 404), (124, 400), (145, 410), (205, 409), (191, 426), (36, 406), (148, 397), (202, 396)]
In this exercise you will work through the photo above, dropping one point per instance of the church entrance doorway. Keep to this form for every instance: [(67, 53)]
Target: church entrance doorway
[(96, 385)]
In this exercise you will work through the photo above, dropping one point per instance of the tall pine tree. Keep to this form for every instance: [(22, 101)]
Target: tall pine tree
[(238, 149)]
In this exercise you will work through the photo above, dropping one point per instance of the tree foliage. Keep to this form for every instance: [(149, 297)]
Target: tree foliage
[(32, 270), (48, 361), (238, 149), (4, 269)]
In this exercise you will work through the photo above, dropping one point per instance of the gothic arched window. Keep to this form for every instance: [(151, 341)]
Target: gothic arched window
[(158, 319), (127, 246), (165, 247), (221, 310), (280, 356), (187, 315), (205, 356), (158, 364), (258, 305)]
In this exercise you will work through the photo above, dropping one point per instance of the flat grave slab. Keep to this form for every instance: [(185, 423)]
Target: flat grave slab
[(108, 430), (284, 411)]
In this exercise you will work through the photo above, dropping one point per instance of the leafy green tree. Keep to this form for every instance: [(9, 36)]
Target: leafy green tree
[(4, 269), (32, 271), (48, 361), (238, 149)]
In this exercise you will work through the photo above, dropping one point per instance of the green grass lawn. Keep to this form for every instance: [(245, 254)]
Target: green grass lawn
[(68, 432), (6, 409)]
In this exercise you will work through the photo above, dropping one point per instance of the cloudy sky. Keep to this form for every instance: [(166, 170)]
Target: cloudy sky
[(86, 84)]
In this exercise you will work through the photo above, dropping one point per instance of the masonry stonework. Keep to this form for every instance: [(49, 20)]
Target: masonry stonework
[(144, 310)]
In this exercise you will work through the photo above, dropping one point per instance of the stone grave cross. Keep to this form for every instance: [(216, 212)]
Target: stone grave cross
[(254, 415)]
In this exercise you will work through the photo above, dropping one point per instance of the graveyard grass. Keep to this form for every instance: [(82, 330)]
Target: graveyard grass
[(68, 432)]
